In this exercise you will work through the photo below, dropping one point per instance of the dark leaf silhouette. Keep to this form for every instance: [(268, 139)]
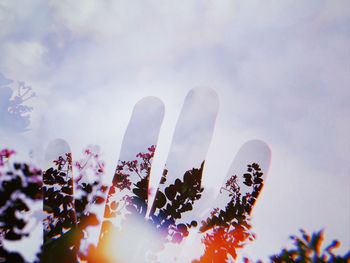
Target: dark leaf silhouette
[(225, 230), (308, 248), (19, 183)]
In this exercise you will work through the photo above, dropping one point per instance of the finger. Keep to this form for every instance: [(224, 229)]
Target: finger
[(227, 227), (247, 173), (58, 203), (128, 194), (90, 194), (180, 186)]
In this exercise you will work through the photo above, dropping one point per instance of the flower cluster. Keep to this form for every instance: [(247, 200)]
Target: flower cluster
[(89, 164), (121, 179), (140, 167), (231, 185), (61, 162), (5, 155)]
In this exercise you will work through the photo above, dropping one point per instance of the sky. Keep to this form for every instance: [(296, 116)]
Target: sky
[(280, 70)]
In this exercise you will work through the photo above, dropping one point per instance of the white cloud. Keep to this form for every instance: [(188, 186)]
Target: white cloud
[(23, 58), (281, 70)]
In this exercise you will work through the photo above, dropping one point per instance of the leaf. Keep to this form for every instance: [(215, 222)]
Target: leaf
[(170, 192), (160, 200)]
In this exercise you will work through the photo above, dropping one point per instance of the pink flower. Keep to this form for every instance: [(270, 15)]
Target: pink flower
[(6, 153), (152, 149)]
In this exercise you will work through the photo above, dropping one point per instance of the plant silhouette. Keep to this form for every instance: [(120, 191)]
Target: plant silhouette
[(127, 201), (308, 248), (15, 114), (20, 183), (176, 199), (227, 230), (68, 217), (67, 205)]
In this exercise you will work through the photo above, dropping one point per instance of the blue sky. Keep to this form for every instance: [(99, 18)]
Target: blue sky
[(280, 69)]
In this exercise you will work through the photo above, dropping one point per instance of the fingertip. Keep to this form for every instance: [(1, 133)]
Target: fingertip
[(55, 148)]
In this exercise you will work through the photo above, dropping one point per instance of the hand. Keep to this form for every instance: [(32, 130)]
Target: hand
[(143, 225)]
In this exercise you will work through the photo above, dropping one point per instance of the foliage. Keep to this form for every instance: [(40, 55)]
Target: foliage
[(177, 199), (126, 201), (68, 205), (68, 217), (228, 229), (131, 179), (308, 248), (20, 187), (15, 114)]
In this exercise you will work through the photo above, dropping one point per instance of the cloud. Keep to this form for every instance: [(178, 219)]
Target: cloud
[(24, 58), (280, 70)]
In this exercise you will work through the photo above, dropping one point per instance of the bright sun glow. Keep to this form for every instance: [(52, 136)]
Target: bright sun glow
[(136, 242)]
